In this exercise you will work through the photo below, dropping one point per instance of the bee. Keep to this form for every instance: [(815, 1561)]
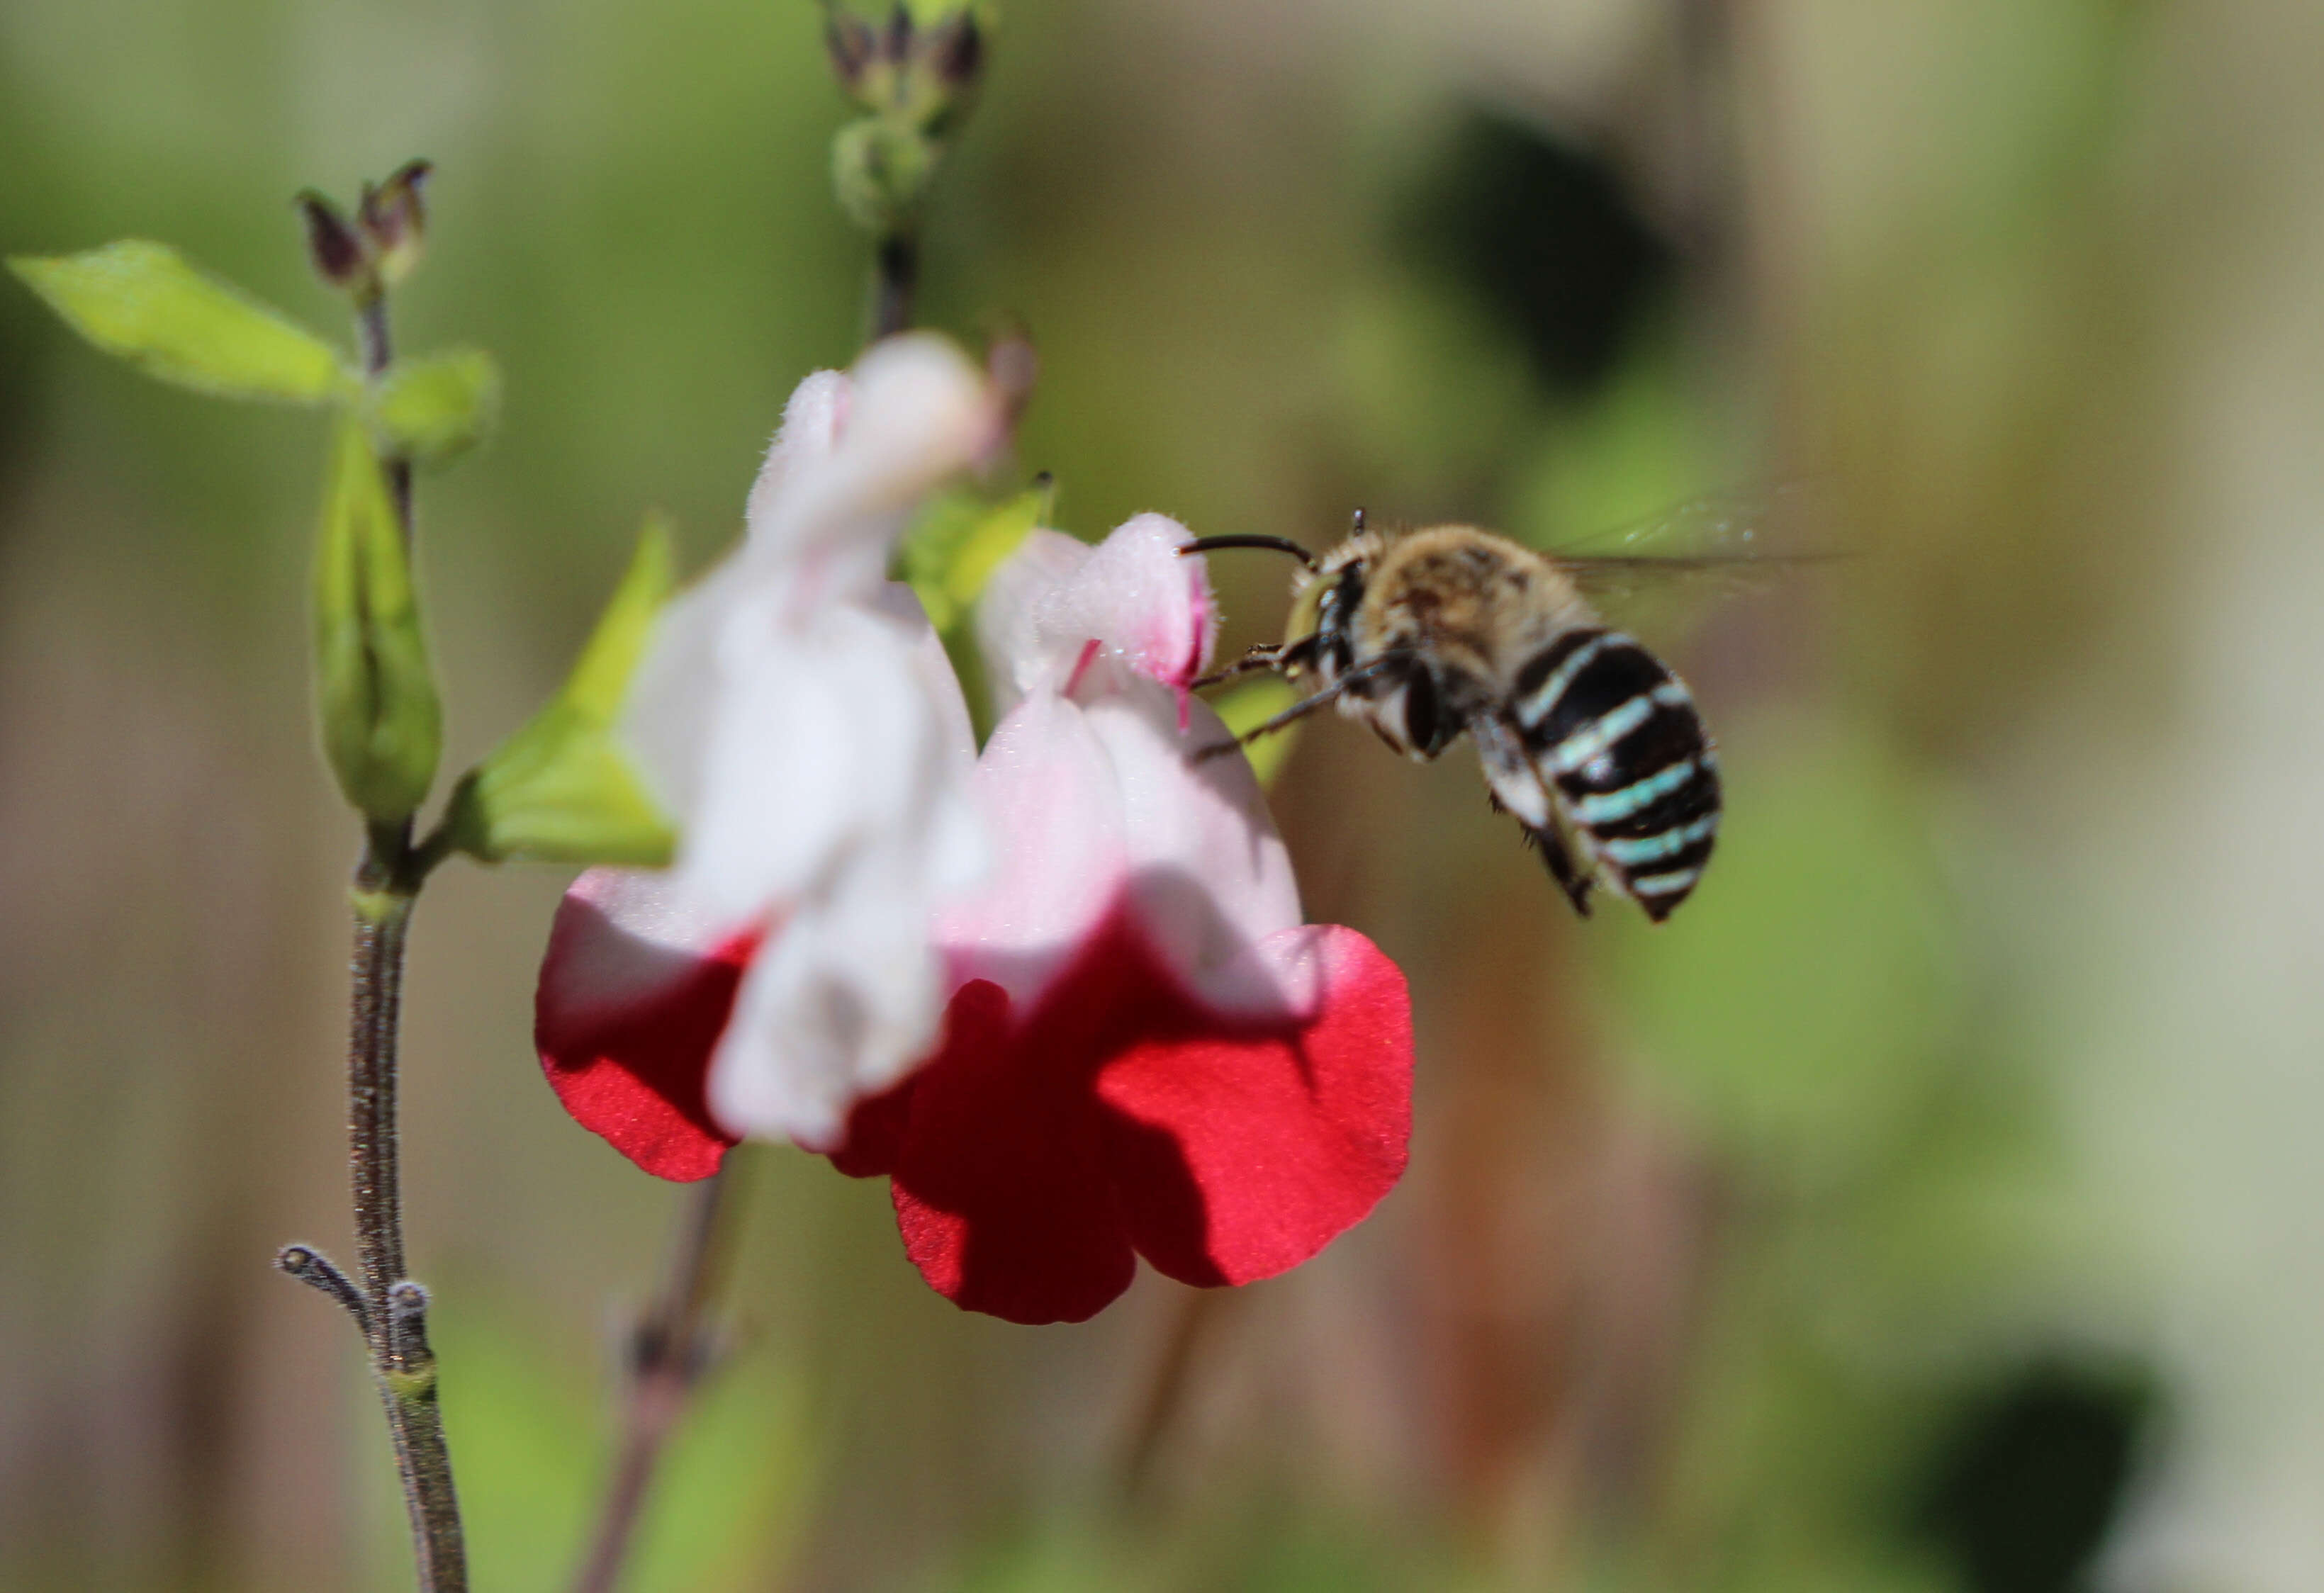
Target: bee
[(1587, 739)]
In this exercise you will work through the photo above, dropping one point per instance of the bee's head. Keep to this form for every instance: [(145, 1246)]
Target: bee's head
[(1324, 597), (1323, 604)]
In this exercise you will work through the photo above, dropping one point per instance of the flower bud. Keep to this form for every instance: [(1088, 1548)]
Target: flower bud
[(332, 245), (881, 168), (954, 50), (395, 220), (382, 722), (852, 45)]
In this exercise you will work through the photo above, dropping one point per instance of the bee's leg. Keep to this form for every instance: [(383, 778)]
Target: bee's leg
[(1261, 655), (1305, 706), (1560, 861), (1554, 854), (1297, 711)]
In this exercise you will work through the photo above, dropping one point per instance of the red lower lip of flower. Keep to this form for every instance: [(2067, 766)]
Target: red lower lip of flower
[(1035, 1157), (638, 1075), (1038, 1153)]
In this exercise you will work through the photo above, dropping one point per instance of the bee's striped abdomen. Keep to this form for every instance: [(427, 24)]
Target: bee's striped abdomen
[(1615, 736)]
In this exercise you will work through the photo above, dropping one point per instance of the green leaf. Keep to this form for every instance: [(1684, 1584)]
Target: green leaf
[(142, 300), (383, 725), (436, 406), (561, 790), (959, 540)]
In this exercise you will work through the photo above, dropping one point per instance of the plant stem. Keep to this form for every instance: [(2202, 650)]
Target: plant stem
[(1166, 1389), (395, 1309), (895, 283), (389, 1309), (669, 1354)]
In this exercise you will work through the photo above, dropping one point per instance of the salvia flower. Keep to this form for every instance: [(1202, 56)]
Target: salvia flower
[(796, 715), (1146, 1053)]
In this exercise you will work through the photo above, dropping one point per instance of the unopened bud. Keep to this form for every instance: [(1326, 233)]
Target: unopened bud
[(332, 245), (881, 168), (852, 45), (954, 52), (395, 219)]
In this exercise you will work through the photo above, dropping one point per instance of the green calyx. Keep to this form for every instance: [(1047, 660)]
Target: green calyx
[(561, 790), (382, 722), (915, 73)]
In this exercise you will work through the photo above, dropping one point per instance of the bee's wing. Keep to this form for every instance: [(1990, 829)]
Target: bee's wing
[(1713, 545)]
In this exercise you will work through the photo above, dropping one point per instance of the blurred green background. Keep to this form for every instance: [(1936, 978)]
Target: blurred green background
[(1934, 1205)]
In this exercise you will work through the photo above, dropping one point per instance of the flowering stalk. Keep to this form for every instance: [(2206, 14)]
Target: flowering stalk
[(914, 84), (389, 1308), (559, 790)]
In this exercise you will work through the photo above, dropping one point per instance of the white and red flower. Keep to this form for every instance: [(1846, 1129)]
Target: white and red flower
[(796, 715), (1145, 1052)]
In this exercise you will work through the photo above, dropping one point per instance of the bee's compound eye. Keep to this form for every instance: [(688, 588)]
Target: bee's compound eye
[(1421, 718)]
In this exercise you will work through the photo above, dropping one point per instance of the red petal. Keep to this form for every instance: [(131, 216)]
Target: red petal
[(875, 1132), (1123, 1111), (1236, 1157), (998, 1188), (637, 1074)]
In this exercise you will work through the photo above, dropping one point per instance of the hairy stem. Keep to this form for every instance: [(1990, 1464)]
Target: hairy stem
[(669, 1354), (394, 1317)]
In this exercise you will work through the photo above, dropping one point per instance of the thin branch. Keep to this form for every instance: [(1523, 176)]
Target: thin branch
[(312, 1267), (669, 1351), (1166, 1389)]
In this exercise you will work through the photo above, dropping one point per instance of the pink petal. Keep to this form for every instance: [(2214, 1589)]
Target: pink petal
[(1132, 593), (631, 1005), (1017, 657), (1138, 597)]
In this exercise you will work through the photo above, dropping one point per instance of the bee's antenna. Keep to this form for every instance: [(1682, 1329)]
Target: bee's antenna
[(1275, 544)]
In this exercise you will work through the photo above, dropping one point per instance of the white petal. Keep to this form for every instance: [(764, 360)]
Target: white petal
[(824, 738), (916, 413), (811, 421), (625, 935), (673, 699), (837, 1007), (1053, 806), (1016, 659), (1211, 878)]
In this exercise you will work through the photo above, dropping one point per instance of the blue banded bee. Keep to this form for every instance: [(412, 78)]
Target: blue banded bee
[(1587, 739)]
